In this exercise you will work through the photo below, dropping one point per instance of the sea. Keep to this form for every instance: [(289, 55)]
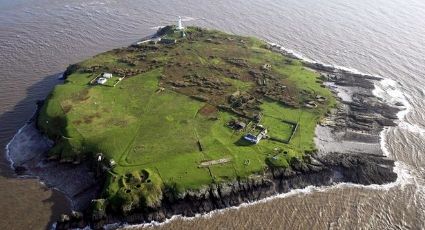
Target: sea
[(40, 38)]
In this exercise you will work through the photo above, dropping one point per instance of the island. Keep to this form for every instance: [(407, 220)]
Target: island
[(192, 120)]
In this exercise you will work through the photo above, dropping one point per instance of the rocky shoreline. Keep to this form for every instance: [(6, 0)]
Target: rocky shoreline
[(348, 143), (27, 152)]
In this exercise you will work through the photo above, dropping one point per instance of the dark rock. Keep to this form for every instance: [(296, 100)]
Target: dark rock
[(76, 215), (20, 170), (70, 70)]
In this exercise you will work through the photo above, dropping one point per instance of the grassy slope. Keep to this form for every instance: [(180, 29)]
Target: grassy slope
[(144, 130)]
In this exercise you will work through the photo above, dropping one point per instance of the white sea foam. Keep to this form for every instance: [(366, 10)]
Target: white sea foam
[(386, 89), (309, 60), (389, 91), (383, 142), (292, 52), (413, 128), (156, 27), (9, 158)]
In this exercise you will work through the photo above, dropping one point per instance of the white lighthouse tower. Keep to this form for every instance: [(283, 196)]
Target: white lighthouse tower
[(179, 24)]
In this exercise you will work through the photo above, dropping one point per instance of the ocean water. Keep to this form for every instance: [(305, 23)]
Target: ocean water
[(39, 38)]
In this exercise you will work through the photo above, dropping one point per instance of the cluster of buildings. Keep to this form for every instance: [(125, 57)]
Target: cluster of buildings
[(252, 138), (167, 40), (104, 78)]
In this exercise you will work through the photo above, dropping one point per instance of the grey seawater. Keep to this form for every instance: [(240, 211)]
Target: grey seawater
[(39, 38)]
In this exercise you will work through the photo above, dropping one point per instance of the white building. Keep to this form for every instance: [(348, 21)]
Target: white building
[(179, 24), (101, 80), (107, 75)]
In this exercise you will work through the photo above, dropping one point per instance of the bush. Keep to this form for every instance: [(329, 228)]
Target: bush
[(70, 70), (277, 161), (98, 209), (165, 30)]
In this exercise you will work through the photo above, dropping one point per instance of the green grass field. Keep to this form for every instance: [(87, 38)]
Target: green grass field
[(154, 132)]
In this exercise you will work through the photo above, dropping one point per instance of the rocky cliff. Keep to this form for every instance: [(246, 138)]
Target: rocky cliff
[(320, 171)]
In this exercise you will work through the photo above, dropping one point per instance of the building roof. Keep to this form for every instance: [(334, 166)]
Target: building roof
[(101, 80), (251, 138), (107, 75)]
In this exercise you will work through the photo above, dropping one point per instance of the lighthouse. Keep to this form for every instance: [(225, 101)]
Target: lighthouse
[(180, 28), (179, 24)]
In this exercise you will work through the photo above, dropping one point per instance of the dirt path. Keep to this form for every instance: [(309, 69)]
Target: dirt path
[(214, 162)]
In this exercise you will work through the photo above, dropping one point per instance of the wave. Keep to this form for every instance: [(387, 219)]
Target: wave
[(413, 128), (386, 89), (156, 27), (8, 157), (389, 91), (304, 58)]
